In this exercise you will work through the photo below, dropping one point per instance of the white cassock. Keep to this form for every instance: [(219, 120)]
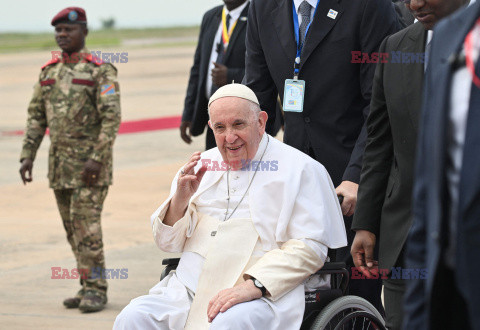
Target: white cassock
[(279, 233)]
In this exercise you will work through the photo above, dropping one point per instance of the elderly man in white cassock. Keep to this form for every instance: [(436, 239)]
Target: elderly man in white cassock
[(253, 218)]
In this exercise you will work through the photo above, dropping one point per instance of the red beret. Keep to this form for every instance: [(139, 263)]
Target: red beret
[(70, 15)]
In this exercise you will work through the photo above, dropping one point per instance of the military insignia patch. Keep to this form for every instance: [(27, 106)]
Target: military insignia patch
[(108, 89)]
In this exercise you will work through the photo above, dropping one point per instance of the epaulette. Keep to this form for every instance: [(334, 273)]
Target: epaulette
[(94, 59), (52, 61)]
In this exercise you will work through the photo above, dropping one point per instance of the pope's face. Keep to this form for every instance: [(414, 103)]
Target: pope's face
[(237, 128), (70, 37), (429, 12)]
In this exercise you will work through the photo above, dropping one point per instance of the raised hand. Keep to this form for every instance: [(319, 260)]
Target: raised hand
[(187, 184)]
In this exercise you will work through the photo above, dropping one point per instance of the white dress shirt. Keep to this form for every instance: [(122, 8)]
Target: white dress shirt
[(234, 15), (457, 126), (427, 47), (312, 3)]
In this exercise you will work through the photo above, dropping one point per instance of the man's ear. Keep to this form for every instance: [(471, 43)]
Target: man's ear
[(262, 119), (210, 124)]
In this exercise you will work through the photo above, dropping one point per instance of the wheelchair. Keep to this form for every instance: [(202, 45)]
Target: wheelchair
[(328, 309)]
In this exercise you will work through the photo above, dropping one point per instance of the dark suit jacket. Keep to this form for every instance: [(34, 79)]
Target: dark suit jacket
[(404, 14), (337, 94), (196, 103), (385, 191), (426, 241)]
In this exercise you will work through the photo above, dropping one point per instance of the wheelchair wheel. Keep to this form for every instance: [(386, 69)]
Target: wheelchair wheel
[(349, 312), (358, 319)]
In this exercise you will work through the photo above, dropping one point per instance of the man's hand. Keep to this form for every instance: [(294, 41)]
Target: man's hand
[(186, 136), (187, 184), (349, 191), (227, 298), (188, 181), (219, 74), (91, 172), (362, 252), (26, 167)]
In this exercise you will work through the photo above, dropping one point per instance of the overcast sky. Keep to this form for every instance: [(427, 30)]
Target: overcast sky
[(35, 15)]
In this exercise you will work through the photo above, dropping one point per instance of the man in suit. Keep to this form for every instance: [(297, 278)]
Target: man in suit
[(219, 60), (445, 235), (383, 209), (337, 91)]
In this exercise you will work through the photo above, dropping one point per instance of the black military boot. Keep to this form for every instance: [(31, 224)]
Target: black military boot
[(75, 301)]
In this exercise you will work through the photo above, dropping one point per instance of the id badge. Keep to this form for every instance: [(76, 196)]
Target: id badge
[(293, 95)]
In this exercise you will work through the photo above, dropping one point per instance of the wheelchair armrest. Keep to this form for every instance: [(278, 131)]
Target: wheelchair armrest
[(339, 268), (171, 261), (334, 266)]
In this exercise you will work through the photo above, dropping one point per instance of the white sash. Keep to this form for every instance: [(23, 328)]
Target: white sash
[(227, 254)]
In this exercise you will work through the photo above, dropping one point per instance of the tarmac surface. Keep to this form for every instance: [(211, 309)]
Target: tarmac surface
[(32, 238)]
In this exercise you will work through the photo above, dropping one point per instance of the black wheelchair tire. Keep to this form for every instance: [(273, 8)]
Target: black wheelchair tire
[(366, 316), (344, 305)]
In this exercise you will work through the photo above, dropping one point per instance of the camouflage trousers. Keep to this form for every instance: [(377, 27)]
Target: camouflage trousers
[(80, 209)]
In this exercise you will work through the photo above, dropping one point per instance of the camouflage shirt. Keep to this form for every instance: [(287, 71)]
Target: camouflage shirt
[(80, 104)]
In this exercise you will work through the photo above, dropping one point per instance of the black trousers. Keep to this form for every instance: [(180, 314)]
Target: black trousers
[(393, 295), (369, 289), (449, 309)]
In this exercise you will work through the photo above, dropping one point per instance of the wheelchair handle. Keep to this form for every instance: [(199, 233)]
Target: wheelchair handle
[(340, 199), (171, 261)]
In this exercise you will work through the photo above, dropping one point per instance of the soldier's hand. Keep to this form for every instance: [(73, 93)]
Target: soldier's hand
[(184, 126), (26, 168), (219, 74), (91, 172)]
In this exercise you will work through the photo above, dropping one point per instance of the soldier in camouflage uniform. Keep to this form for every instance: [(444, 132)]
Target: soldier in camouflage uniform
[(77, 97)]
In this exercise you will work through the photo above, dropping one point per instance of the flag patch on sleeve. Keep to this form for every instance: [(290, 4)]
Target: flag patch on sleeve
[(107, 89)]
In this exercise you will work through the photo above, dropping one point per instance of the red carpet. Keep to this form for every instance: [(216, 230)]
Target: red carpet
[(135, 126)]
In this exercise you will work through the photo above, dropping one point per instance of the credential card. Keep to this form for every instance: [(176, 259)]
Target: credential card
[(293, 95)]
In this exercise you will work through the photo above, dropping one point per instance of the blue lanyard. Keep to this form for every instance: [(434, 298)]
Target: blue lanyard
[(296, 28)]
